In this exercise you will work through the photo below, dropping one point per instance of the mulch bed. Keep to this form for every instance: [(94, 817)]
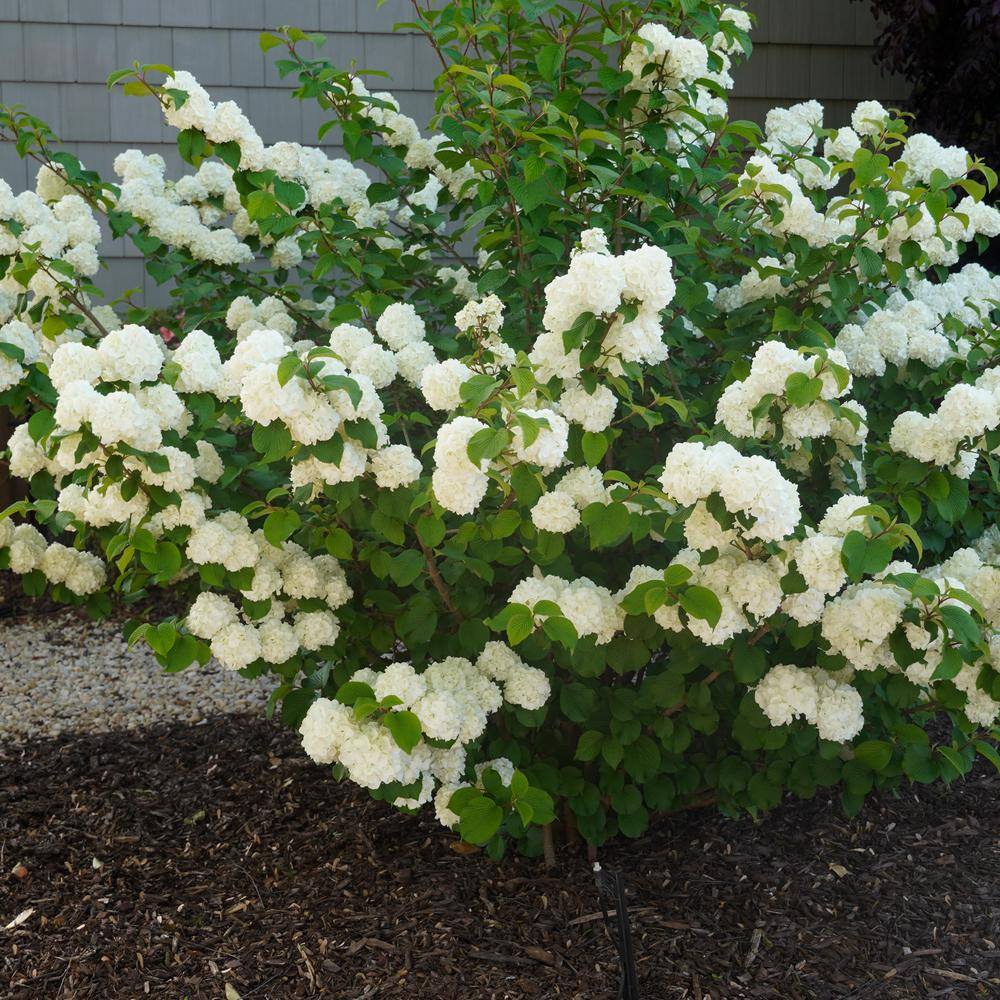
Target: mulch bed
[(173, 862)]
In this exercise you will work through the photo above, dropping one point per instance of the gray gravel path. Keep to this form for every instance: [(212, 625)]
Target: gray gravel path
[(62, 673)]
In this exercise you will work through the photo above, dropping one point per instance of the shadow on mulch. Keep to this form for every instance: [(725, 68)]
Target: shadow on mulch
[(173, 862)]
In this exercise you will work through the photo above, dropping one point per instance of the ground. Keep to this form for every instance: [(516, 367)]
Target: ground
[(216, 860)]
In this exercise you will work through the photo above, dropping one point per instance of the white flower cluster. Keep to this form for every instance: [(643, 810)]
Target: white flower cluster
[(190, 208), (858, 622), (964, 415), (81, 572), (52, 229), (787, 693), (676, 68), (458, 484), (146, 195), (452, 698), (593, 411), (289, 571), (776, 177), (749, 486), (748, 590), (798, 216), (913, 327), (21, 337), (402, 132), (763, 281), (592, 609), (661, 60), (134, 416), (924, 154), (770, 368), (817, 558), (406, 352), (559, 510), (244, 317), (600, 283), (976, 572)]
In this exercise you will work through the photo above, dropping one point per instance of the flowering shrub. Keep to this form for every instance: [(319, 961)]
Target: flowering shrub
[(600, 457)]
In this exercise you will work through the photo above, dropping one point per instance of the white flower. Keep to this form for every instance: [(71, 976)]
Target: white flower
[(395, 466), (236, 646), (399, 326), (555, 512), (210, 614), (316, 629), (869, 118), (131, 354), (458, 484), (441, 384), (592, 411)]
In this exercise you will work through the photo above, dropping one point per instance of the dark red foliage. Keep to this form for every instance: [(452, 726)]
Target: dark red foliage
[(949, 50)]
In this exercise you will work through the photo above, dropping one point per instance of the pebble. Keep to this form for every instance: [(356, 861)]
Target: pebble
[(63, 673)]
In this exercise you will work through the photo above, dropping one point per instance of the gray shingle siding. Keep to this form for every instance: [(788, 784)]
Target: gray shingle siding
[(56, 54)]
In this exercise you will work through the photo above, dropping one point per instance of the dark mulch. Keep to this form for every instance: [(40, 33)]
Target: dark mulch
[(226, 857)]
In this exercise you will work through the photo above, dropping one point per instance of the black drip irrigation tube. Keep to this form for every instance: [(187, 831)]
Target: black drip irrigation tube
[(611, 888)]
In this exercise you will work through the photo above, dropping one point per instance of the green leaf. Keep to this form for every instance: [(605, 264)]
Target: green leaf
[(405, 729), (749, 663), (487, 443), (801, 389), (191, 144), (230, 153), (406, 567), (612, 751), (260, 205), (863, 556), (339, 544), (700, 602), (273, 441), (589, 745), (280, 525), (349, 693), (874, 754), (548, 61), (988, 751), (480, 820), (611, 80), (869, 262), (642, 759), (960, 624), (955, 760), (476, 390), (290, 194), (577, 701), (269, 41), (430, 530), (519, 627), (541, 804), (346, 384), (594, 447), (561, 630), (950, 666), (529, 195), (41, 424), (608, 524)]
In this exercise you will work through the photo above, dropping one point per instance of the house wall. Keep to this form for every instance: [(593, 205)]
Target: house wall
[(55, 56)]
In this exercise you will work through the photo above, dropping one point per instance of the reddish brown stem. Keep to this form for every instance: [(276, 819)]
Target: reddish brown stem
[(439, 585)]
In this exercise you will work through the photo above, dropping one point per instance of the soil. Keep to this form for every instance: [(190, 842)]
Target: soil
[(217, 861)]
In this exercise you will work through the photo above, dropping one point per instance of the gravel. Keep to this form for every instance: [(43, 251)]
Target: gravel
[(62, 673)]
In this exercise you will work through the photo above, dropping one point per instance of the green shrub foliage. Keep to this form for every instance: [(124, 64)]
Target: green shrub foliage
[(588, 455)]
